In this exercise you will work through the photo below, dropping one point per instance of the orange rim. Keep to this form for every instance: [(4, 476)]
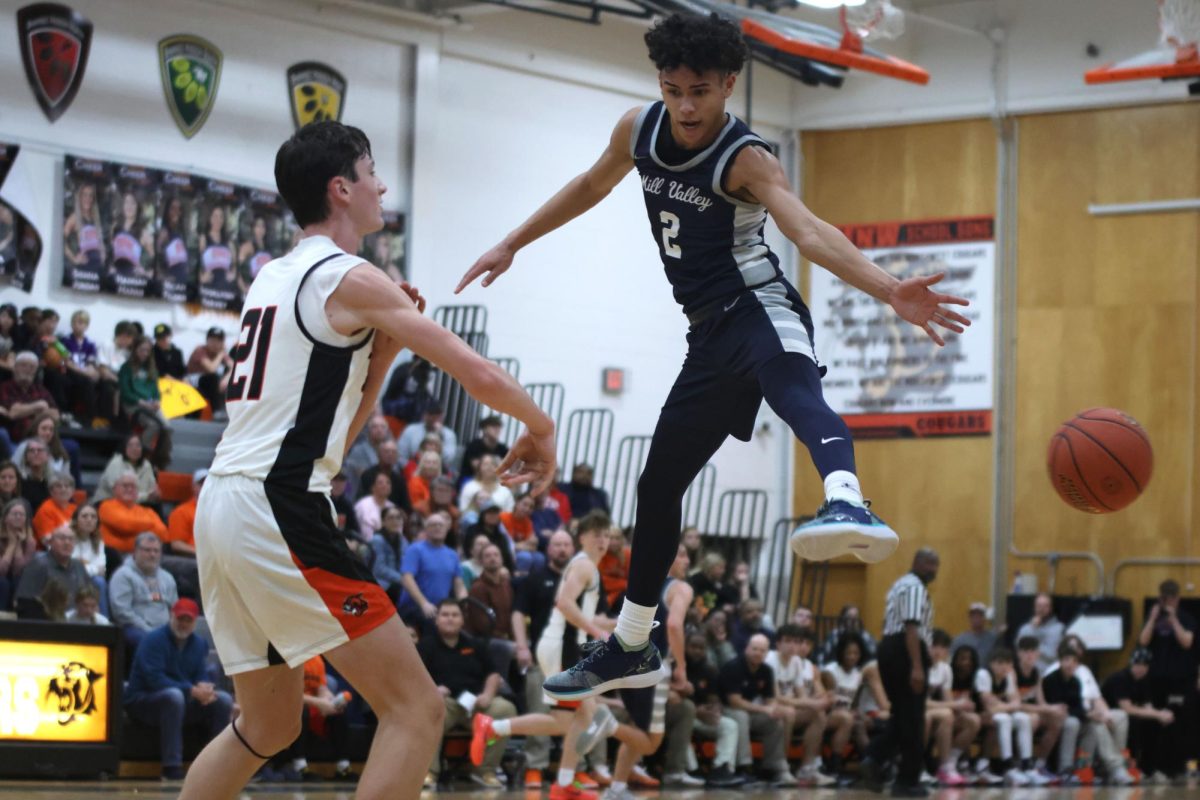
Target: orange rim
[(889, 66)]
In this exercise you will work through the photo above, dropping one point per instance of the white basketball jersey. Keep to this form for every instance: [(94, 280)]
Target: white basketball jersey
[(557, 628), (296, 383)]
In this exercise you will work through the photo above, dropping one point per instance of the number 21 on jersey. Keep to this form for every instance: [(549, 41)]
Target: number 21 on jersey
[(257, 325), (670, 232)]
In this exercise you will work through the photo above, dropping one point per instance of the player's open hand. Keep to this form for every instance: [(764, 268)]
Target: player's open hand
[(531, 460), (491, 265), (414, 294), (915, 302)]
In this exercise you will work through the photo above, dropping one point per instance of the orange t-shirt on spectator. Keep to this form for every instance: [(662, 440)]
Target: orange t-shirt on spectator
[(418, 489), (518, 529), (614, 574), (181, 526), (121, 524), (50, 517)]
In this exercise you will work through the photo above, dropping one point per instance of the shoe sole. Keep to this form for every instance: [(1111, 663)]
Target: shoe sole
[(641, 681), (869, 543)]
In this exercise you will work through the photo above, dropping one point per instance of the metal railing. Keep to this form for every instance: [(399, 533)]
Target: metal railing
[(1052, 559), (741, 524), (772, 573), (513, 367), (587, 439), (546, 396), (462, 320), (622, 486), (462, 410), (698, 500), (1151, 561)]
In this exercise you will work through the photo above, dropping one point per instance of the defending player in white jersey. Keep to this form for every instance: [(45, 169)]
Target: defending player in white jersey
[(320, 329)]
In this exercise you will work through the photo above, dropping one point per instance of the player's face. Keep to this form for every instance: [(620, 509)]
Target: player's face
[(696, 103), (1028, 659), (1001, 669), (365, 197)]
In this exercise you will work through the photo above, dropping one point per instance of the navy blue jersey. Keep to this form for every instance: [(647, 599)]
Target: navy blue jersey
[(711, 242)]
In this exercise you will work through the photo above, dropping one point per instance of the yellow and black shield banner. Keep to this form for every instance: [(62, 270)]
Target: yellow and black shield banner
[(317, 92)]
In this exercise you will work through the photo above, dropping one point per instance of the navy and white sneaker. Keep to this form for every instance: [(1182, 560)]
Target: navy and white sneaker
[(840, 528), (604, 668)]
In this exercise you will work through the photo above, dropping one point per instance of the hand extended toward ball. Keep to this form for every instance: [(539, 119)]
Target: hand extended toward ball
[(915, 302)]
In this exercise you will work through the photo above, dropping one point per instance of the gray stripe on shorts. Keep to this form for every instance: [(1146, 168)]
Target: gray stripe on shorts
[(793, 336)]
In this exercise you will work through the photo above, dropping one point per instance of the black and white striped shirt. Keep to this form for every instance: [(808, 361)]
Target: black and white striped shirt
[(908, 601)]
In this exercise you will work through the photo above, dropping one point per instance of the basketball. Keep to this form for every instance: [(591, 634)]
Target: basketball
[(1100, 461)]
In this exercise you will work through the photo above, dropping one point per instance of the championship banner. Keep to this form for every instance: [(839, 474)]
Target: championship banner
[(20, 242), (55, 41), (886, 378)]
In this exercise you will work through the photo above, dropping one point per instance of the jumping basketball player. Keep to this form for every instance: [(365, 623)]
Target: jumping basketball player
[(709, 183), (571, 623), (319, 331)]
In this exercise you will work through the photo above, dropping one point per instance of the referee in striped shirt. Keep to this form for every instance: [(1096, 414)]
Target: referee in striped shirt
[(903, 664)]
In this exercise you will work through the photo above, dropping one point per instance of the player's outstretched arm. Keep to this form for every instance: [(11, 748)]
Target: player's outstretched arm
[(583, 192), (757, 175), (367, 298)]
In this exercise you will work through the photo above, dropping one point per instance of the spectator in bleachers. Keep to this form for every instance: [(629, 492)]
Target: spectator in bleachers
[(711, 722), (978, 634), (581, 494), (141, 401), (712, 592), (1044, 627), (409, 390), (122, 519), (169, 685), (347, 522), (1132, 690), (487, 481), (82, 371), (803, 617), (387, 463), (56, 564), (429, 572), (1170, 636), (951, 722), (181, 525), (1003, 718), (364, 453), (369, 508), (557, 501), (8, 324), (1047, 720), (141, 592), (52, 355), (742, 582), (10, 482), (35, 472), (747, 688), (168, 359), (849, 621), (716, 631), (614, 568), (1063, 685), (798, 686), (388, 547), (545, 517), (322, 717), (87, 608), (472, 564), (494, 590), (487, 444), (432, 421), (489, 525), (111, 356), (532, 603), (468, 684), (964, 666), (842, 675), (132, 458), (63, 453), (695, 546), (57, 509), (1114, 720), (51, 604), (209, 369), (89, 549), (24, 398), (518, 523), (429, 468), (18, 544), (750, 621), (25, 335), (440, 500)]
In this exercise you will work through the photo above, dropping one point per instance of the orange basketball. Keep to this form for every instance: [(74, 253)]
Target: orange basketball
[(1100, 461), (52, 358)]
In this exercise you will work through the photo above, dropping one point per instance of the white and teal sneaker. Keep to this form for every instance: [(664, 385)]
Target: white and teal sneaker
[(841, 527)]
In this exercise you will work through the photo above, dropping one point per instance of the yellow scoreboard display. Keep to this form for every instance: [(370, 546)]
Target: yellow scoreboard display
[(60, 698)]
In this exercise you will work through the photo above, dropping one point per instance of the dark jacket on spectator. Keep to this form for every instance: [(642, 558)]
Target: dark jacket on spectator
[(584, 498), (1058, 688), (497, 596), (160, 663)]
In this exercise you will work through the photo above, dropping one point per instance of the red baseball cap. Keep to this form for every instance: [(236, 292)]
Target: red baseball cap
[(185, 607)]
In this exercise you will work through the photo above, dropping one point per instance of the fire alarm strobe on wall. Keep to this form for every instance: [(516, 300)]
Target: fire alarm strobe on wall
[(612, 380)]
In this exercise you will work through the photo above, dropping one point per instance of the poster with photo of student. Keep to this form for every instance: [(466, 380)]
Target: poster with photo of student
[(385, 248), (176, 253), (85, 222), (218, 216), (263, 234), (20, 242), (133, 202)]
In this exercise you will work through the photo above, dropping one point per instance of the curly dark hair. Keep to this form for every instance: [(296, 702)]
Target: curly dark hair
[(700, 43)]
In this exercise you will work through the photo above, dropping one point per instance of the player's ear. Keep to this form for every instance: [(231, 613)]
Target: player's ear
[(730, 80)]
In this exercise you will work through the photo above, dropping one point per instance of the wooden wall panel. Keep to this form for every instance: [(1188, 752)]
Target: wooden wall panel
[(936, 493)]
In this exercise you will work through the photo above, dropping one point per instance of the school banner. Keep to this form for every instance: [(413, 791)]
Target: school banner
[(20, 241), (886, 377)]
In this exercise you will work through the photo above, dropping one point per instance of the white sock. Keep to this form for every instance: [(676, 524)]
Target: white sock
[(634, 624), (955, 755), (843, 485), (344, 764), (565, 776), (502, 727), (618, 786), (299, 764)]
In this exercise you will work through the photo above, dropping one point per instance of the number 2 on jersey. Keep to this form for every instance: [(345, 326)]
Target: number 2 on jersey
[(260, 322), (669, 233)]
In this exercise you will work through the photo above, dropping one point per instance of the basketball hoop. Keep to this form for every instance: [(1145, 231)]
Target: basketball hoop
[(1178, 59), (874, 19)]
